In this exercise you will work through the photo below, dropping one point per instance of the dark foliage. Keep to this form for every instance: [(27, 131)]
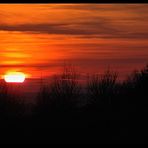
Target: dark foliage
[(11, 104), (112, 108), (102, 89), (60, 99)]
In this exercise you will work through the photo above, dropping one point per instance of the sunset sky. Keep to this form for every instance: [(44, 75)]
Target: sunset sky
[(36, 39)]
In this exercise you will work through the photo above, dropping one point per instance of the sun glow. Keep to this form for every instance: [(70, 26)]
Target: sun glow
[(14, 77)]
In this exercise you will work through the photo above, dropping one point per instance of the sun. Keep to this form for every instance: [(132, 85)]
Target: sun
[(14, 77)]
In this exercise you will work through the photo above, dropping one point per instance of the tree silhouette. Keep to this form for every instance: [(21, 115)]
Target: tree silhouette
[(62, 95), (101, 89), (11, 105)]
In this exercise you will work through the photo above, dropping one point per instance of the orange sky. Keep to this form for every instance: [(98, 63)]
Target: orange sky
[(37, 38)]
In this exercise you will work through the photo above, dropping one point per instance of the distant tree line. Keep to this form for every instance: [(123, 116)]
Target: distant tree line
[(64, 100)]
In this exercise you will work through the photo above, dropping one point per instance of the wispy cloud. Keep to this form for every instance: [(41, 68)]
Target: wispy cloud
[(40, 36), (100, 29)]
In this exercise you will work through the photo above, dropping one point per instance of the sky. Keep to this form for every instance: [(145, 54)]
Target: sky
[(37, 39)]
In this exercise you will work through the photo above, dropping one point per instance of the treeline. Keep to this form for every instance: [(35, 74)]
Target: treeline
[(101, 93), (65, 103)]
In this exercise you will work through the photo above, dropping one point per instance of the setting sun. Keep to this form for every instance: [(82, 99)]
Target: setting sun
[(14, 77)]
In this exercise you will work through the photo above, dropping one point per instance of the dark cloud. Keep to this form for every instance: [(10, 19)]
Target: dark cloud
[(83, 28), (66, 29), (77, 61), (86, 29), (38, 66), (46, 28), (34, 66), (78, 7), (106, 7)]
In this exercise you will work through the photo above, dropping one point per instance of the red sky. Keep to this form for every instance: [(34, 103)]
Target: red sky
[(37, 38)]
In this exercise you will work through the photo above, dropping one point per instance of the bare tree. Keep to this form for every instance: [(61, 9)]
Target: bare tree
[(65, 88), (101, 87), (62, 93)]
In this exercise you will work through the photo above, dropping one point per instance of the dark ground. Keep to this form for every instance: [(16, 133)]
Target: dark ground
[(117, 130)]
